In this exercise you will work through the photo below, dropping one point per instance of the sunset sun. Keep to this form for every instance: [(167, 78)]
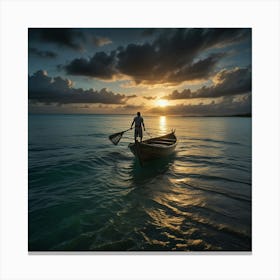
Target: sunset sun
[(162, 103)]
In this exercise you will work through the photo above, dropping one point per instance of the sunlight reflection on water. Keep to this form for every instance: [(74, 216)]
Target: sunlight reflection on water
[(162, 124)]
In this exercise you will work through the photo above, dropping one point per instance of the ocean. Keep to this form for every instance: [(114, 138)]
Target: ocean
[(86, 194)]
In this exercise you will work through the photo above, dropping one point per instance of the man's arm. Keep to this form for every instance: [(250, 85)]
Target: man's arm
[(132, 124), (143, 124)]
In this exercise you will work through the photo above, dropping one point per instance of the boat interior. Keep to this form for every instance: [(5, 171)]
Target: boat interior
[(162, 141)]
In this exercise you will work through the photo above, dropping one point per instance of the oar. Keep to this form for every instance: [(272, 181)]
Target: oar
[(116, 137)]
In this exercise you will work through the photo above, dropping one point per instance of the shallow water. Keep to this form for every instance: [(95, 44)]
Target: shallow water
[(87, 194)]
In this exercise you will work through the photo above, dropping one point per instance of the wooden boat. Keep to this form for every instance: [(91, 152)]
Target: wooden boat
[(154, 148)]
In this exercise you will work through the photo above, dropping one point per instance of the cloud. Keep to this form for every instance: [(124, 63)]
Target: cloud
[(225, 36), (153, 64), (63, 37), (42, 54), (131, 96), (45, 89), (228, 106), (101, 41), (227, 82), (137, 61), (150, 97), (174, 56), (200, 70), (101, 65), (131, 107), (128, 109)]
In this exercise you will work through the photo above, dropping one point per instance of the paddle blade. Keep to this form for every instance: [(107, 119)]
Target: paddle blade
[(115, 138)]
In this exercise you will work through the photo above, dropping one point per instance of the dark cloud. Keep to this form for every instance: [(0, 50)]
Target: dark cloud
[(220, 37), (101, 65), (199, 70), (150, 97), (44, 89), (42, 54), (138, 61), (128, 109), (168, 60), (228, 106), (63, 37), (179, 50), (100, 41), (130, 106), (175, 56), (131, 96), (227, 83)]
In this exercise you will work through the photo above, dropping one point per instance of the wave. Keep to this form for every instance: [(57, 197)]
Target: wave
[(190, 222), (212, 161), (220, 192), (209, 178), (215, 141), (41, 149)]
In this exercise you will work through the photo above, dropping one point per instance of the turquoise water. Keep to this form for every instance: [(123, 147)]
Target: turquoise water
[(87, 194)]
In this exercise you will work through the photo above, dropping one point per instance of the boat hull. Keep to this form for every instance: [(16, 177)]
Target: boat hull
[(154, 148)]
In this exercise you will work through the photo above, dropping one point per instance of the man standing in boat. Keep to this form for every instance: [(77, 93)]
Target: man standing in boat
[(139, 122)]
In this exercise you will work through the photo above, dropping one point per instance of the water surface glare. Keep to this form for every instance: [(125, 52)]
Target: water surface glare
[(87, 194)]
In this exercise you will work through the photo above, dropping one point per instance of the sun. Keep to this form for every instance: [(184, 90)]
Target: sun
[(162, 103)]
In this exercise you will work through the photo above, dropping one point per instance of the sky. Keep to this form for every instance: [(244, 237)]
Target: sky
[(157, 71)]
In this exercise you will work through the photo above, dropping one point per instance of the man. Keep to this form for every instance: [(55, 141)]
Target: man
[(138, 120)]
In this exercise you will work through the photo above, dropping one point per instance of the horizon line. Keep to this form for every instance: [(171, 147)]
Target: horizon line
[(148, 115)]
